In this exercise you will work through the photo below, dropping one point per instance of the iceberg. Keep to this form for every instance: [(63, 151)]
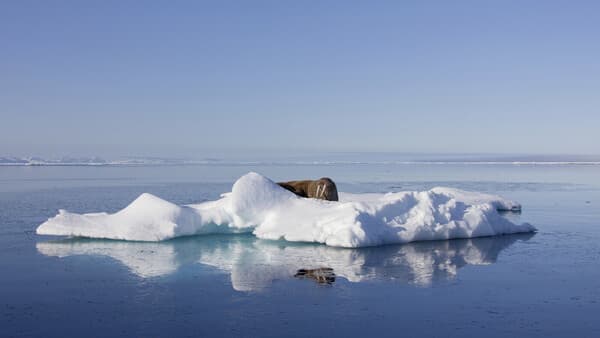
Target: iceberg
[(260, 206)]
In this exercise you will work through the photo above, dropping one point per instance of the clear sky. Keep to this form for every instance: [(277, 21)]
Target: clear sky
[(180, 77)]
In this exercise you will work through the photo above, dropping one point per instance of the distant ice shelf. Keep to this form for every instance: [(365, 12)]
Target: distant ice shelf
[(320, 161)]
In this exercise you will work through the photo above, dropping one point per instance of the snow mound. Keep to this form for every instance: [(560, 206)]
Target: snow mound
[(258, 205)]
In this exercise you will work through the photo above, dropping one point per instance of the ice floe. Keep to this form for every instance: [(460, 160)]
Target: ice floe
[(258, 205)]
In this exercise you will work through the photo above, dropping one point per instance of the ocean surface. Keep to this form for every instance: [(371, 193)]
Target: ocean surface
[(545, 284)]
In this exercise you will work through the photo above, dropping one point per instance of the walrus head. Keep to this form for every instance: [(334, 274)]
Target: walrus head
[(326, 189)]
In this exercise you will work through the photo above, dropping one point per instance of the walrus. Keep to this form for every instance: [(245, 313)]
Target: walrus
[(323, 188)]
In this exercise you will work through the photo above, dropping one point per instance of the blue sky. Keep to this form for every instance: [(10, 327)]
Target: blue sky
[(184, 77)]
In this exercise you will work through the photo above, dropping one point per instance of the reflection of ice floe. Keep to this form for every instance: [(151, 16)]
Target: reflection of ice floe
[(254, 264), (144, 259), (258, 205)]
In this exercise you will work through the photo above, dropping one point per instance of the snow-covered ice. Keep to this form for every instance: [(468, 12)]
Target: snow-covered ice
[(258, 205)]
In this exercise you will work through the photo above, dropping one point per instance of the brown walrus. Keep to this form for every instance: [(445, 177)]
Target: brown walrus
[(323, 188)]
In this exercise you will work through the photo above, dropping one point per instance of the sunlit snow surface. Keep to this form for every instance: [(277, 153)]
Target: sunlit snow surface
[(258, 205)]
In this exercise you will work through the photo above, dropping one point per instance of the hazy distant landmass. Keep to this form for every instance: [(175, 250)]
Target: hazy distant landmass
[(95, 161), (307, 159)]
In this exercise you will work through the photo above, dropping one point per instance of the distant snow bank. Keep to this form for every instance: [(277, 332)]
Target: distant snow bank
[(258, 205)]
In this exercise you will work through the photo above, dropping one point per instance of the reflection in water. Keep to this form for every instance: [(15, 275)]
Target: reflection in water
[(254, 263), (320, 275)]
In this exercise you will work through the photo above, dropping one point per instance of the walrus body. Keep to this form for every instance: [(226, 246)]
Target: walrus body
[(323, 188)]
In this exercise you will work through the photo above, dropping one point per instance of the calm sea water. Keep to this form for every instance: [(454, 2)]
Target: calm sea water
[(537, 285)]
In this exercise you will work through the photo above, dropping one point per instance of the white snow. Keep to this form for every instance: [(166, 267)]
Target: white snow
[(258, 205)]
